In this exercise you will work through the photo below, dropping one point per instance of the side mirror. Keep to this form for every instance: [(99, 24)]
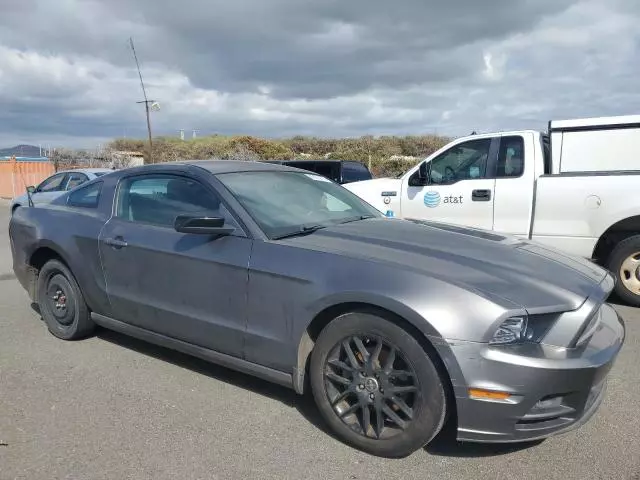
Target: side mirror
[(31, 189), (420, 177), (201, 225)]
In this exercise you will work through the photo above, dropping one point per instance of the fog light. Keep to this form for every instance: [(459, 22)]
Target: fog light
[(544, 404)]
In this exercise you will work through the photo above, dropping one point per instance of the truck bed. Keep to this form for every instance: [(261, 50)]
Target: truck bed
[(573, 210)]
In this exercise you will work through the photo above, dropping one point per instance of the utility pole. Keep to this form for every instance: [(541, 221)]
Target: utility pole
[(146, 102), (146, 108)]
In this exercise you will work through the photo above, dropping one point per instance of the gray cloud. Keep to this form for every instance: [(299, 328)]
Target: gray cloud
[(324, 68)]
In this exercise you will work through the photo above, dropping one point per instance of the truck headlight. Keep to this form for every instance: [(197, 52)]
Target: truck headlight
[(512, 330)]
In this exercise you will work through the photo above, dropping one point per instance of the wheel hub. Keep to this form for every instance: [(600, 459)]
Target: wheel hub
[(630, 273), (61, 300), (58, 302), (371, 385)]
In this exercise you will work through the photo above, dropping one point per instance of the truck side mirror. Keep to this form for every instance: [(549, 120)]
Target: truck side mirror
[(420, 178)]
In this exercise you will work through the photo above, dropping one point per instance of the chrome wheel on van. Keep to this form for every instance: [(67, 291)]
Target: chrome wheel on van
[(630, 272), (624, 263)]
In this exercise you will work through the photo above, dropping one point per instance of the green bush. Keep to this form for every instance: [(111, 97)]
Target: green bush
[(375, 152)]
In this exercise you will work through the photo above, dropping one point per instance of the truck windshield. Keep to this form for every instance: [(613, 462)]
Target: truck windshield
[(287, 202)]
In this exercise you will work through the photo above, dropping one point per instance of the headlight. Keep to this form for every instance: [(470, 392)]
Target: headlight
[(521, 329), (512, 330)]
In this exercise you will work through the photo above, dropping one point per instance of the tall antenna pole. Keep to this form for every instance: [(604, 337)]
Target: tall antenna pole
[(146, 101)]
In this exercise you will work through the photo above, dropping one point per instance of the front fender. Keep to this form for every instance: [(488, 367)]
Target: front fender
[(346, 301), (373, 300)]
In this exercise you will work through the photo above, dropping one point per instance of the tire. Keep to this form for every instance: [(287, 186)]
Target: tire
[(424, 395), (70, 319), (623, 265)]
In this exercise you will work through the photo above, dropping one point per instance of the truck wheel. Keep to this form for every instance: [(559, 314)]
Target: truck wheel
[(61, 302), (375, 386), (624, 263)]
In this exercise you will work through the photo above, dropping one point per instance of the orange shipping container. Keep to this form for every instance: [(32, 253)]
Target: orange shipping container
[(16, 176)]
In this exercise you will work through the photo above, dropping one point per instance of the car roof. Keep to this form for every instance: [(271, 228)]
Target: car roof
[(317, 160), (229, 166), (84, 170)]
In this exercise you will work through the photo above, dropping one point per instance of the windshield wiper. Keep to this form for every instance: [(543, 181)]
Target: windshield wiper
[(355, 219), (303, 230)]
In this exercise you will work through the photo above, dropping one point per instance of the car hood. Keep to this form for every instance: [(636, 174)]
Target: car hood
[(527, 274), (19, 199)]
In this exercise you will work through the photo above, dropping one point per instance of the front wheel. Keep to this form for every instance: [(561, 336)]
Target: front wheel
[(624, 263), (375, 386)]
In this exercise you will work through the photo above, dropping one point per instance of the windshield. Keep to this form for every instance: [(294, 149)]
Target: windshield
[(284, 203)]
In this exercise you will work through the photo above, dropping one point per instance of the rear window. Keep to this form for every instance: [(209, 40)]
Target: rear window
[(354, 172), (326, 169), (86, 197), (547, 154)]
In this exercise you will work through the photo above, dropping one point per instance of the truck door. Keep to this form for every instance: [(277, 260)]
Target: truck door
[(457, 186), (514, 187)]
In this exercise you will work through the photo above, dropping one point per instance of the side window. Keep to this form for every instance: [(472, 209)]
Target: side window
[(354, 172), (52, 184), (326, 170), (86, 197), (159, 199), (465, 161), (76, 179), (511, 157)]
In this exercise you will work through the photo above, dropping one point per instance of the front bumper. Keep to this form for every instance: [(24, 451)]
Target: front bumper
[(570, 381)]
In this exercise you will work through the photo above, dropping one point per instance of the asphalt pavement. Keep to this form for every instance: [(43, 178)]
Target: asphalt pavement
[(111, 407)]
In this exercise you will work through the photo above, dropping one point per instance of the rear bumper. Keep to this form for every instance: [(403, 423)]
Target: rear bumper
[(570, 382)]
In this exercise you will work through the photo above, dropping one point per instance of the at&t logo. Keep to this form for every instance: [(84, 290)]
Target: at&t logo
[(432, 199)]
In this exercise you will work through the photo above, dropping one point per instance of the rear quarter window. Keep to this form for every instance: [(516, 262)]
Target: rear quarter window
[(354, 171), (86, 197)]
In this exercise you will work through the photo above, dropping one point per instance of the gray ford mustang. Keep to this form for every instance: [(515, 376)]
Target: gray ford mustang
[(395, 326)]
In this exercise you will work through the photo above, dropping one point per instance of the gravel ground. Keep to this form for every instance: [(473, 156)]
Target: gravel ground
[(112, 408)]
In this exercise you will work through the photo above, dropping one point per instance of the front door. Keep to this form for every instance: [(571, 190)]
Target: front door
[(459, 186), (50, 189), (186, 286)]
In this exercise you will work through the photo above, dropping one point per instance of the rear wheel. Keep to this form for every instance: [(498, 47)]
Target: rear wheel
[(624, 263), (61, 302), (375, 386)]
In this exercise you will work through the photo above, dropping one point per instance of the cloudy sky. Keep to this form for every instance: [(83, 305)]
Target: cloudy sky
[(319, 67)]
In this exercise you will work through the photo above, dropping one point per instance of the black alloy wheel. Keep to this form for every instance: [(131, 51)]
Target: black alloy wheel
[(371, 386), (375, 385)]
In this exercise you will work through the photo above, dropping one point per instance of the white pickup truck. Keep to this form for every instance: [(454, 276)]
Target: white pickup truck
[(575, 188)]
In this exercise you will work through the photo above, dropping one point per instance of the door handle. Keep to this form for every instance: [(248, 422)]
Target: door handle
[(117, 242), (481, 195)]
